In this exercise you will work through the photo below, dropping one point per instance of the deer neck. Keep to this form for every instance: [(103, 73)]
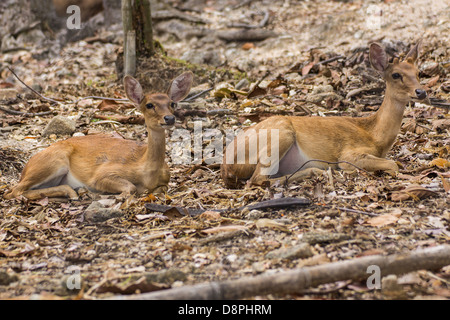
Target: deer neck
[(156, 148), (386, 122)]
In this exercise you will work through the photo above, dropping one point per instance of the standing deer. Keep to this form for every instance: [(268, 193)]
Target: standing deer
[(106, 164), (363, 141)]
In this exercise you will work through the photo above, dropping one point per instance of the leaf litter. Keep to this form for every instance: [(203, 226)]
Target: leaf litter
[(138, 249)]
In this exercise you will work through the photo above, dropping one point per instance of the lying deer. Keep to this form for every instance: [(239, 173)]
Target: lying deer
[(363, 142), (106, 164)]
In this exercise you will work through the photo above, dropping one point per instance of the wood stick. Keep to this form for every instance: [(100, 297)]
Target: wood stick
[(294, 281)]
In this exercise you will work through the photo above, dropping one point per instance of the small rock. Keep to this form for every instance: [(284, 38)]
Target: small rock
[(6, 279), (255, 215), (166, 276), (244, 83), (59, 126), (209, 57), (8, 94), (429, 68), (391, 289), (97, 212), (319, 97), (301, 251), (322, 89)]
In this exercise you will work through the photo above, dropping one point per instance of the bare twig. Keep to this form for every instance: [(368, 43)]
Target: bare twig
[(34, 91), (98, 98), (197, 95), (25, 114), (52, 100), (330, 60)]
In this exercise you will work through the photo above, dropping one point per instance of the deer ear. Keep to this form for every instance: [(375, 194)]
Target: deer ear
[(180, 86), (378, 57), (413, 54), (133, 89)]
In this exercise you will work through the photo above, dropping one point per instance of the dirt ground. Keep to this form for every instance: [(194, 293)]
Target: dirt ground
[(314, 63)]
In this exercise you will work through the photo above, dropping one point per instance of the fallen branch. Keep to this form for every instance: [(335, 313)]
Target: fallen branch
[(294, 281)]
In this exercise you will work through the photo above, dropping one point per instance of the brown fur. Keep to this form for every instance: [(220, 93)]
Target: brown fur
[(103, 163), (361, 141)]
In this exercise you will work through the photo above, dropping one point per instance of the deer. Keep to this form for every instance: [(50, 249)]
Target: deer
[(107, 164), (306, 146)]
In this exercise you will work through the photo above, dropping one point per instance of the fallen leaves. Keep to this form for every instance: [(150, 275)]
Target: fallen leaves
[(413, 192), (188, 233), (25, 249)]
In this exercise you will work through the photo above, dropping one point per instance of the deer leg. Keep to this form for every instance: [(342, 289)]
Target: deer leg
[(62, 191), (298, 176), (368, 162), (43, 180), (115, 185)]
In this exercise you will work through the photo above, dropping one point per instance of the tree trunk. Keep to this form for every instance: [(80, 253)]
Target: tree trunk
[(142, 24), (137, 21)]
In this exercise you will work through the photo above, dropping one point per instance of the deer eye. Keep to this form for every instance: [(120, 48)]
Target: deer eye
[(150, 106), (173, 105), (396, 76)]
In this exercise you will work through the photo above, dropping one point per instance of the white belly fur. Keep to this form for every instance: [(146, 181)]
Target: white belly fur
[(294, 159), (61, 177)]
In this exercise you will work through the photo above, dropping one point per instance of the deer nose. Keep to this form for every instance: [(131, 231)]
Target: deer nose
[(170, 120), (421, 94)]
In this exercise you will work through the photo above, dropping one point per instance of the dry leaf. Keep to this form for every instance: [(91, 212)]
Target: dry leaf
[(412, 192), (149, 198), (268, 223), (141, 285), (441, 124), (383, 220), (440, 162), (445, 183), (224, 229), (210, 215), (307, 68), (248, 46), (432, 81)]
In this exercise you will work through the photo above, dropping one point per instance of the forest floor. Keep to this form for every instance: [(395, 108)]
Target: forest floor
[(314, 64)]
